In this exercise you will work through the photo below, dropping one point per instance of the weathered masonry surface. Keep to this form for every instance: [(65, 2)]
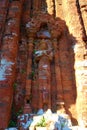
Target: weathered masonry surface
[(43, 58)]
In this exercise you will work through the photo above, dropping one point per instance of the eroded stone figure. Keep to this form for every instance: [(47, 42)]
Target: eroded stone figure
[(44, 56)]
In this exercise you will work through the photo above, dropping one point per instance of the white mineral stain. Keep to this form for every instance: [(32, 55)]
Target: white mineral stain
[(5, 65)]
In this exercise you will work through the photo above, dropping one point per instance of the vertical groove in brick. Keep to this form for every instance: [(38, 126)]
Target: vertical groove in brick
[(3, 13), (58, 72), (29, 70)]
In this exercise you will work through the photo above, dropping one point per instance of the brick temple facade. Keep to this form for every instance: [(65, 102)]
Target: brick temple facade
[(43, 55)]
